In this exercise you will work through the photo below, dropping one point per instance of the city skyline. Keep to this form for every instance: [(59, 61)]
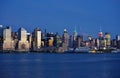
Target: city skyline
[(56, 15), (59, 38), (95, 35), (40, 41)]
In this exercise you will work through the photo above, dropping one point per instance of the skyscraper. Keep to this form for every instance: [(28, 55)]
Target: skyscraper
[(1, 37), (79, 40), (97, 43), (118, 41), (107, 38), (57, 40), (23, 44), (89, 37), (50, 39), (29, 38), (117, 37), (37, 39), (65, 38), (1, 31), (75, 38), (100, 36), (8, 43)]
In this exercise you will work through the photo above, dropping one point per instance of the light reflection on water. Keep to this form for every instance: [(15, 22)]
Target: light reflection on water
[(40, 65)]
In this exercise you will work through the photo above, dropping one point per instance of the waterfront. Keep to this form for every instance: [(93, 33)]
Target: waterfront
[(55, 65)]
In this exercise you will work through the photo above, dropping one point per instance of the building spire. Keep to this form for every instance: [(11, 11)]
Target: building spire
[(100, 34), (75, 31)]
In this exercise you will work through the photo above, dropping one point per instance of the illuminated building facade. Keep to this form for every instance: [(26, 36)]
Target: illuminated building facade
[(8, 43), (108, 39), (65, 38), (37, 39), (23, 44)]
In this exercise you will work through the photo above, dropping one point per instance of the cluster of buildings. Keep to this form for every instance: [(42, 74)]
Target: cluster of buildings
[(50, 42)]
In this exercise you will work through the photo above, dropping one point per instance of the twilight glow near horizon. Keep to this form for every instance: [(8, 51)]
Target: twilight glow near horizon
[(55, 15)]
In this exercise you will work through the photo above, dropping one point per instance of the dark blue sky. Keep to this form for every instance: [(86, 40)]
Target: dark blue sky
[(55, 15)]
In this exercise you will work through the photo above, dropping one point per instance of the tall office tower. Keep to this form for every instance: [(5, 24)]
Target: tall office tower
[(8, 43), (75, 38), (103, 43), (100, 36), (118, 41), (93, 43), (71, 41), (117, 37), (89, 40), (50, 42), (114, 43), (23, 44), (15, 38), (89, 37), (1, 37), (107, 38), (79, 40), (1, 31), (37, 39), (118, 44), (57, 40), (65, 38), (50, 39), (29, 38), (43, 38), (97, 43)]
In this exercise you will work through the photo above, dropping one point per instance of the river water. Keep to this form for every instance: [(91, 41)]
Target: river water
[(53, 65)]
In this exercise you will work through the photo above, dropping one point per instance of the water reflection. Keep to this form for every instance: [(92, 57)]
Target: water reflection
[(59, 66)]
